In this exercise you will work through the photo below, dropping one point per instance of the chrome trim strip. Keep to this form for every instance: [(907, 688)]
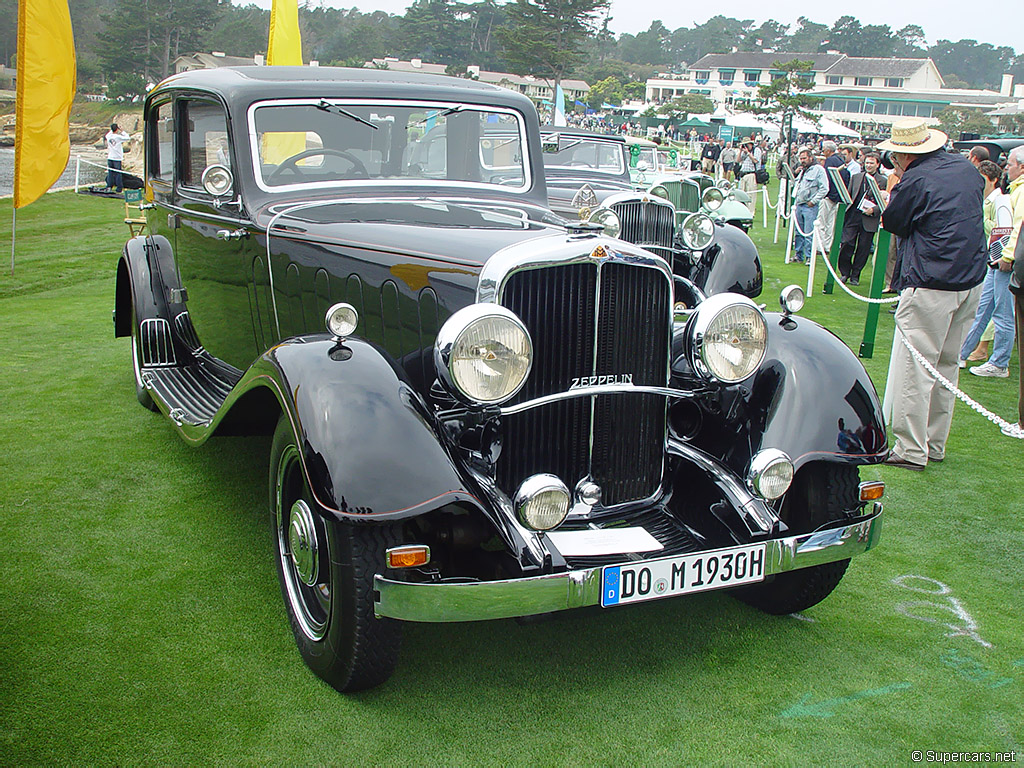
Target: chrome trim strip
[(603, 389), (481, 601)]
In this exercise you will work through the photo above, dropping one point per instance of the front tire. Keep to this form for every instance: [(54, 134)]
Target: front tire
[(326, 569), (820, 494)]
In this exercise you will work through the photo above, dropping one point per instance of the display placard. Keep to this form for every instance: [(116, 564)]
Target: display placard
[(837, 181), (876, 193)]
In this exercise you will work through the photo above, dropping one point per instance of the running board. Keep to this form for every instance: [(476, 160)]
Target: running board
[(191, 394)]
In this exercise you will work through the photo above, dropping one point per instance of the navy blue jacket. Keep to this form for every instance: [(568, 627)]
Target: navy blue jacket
[(936, 210), (835, 161)]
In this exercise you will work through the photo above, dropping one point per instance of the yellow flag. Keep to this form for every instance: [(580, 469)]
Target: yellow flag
[(46, 88), (285, 47)]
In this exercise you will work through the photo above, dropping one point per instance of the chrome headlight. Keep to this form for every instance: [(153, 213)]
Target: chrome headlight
[(542, 502), (771, 473), (712, 198), (724, 184), (658, 191), (727, 338), (483, 354), (606, 218), (341, 320), (792, 299), (698, 231)]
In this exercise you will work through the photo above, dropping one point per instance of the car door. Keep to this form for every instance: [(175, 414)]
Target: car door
[(214, 242)]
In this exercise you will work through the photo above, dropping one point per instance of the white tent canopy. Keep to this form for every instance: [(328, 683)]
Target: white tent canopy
[(824, 127)]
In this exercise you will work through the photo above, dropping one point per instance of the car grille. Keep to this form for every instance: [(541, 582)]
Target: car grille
[(650, 225), (689, 197), (617, 440)]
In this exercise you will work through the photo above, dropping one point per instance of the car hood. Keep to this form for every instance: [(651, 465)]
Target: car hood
[(462, 231)]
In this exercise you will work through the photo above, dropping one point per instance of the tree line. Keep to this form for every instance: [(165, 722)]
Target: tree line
[(127, 43)]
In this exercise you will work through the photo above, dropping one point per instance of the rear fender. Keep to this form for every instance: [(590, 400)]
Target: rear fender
[(145, 277)]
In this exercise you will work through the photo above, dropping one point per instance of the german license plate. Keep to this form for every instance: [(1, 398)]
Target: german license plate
[(666, 577)]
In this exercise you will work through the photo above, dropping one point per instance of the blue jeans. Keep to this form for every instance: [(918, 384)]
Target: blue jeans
[(805, 216), (114, 175), (996, 305)]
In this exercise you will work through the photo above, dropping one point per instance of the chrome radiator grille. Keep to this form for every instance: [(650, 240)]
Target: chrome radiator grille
[(650, 225), (583, 324)]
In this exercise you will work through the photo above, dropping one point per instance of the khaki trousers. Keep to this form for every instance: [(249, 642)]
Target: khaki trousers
[(935, 323), (748, 183), (826, 223)]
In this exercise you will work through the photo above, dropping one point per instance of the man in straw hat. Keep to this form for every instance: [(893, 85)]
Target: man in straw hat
[(936, 211)]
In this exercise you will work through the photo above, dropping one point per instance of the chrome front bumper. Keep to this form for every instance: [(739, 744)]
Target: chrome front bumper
[(478, 601)]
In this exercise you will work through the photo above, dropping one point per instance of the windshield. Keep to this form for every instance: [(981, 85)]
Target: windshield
[(316, 143), (648, 156), (582, 153)]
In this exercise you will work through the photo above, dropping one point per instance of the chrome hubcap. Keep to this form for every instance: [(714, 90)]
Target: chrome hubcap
[(302, 543)]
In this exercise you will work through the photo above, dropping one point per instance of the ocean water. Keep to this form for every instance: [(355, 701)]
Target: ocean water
[(89, 173)]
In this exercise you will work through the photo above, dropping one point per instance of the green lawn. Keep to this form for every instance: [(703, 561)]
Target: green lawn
[(141, 620)]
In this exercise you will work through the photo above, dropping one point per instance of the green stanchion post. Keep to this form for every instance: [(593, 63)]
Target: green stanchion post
[(833, 252), (867, 346)]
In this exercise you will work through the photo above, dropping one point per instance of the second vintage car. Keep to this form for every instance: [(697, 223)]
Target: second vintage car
[(477, 409)]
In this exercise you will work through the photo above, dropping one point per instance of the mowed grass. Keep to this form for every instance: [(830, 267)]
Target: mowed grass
[(141, 621)]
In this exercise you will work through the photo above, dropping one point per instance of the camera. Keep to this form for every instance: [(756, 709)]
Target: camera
[(886, 159)]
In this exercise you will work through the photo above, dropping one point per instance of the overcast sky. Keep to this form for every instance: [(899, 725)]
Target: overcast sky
[(996, 22)]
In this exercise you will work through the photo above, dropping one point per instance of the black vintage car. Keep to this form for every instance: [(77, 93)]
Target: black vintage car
[(476, 411), (589, 178)]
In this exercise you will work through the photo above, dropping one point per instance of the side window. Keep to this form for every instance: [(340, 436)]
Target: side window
[(205, 140), (161, 142)]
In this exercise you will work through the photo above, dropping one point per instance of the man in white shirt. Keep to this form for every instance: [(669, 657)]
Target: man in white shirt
[(850, 156), (115, 139)]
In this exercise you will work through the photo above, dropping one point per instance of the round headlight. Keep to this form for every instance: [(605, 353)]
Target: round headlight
[(698, 231), (217, 180), (542, 502), (792, 299), (771, 473), (342, 320), (712, 198), (606, 218), (658, 191), (483, 354), (724, 184), (728, 337)]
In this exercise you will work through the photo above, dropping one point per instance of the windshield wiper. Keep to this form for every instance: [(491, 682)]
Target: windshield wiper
[(442, 113), (336, 110)]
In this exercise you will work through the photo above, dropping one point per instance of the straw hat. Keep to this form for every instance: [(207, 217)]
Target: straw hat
[(913, 136)]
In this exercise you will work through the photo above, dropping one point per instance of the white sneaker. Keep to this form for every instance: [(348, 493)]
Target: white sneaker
[(1014, 430), (987, 369), (961, 363)]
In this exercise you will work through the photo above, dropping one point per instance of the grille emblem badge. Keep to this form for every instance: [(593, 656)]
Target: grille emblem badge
[(597, 381)]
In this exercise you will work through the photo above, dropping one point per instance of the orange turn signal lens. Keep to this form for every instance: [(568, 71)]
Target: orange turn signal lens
[(872, 491), (409, 556)]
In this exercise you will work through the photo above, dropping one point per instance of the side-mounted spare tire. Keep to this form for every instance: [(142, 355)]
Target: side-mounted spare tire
[(821, 493), (326, 569)]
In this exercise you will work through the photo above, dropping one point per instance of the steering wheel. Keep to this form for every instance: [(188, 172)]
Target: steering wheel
[(291, 164)]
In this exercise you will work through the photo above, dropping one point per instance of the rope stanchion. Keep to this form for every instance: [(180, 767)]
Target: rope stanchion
[(974, 405)]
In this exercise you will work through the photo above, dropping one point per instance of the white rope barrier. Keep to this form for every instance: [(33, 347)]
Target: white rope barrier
[(974, 405), (942, 380)]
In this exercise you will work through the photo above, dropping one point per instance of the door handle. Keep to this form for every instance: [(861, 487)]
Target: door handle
[(238, 234)]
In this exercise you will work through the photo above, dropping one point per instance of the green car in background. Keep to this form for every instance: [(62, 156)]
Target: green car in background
[(666, 172)]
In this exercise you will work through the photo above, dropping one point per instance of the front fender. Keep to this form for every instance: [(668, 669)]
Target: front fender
[(145, 272), (730, 264), (813, 399), (368, 445)]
